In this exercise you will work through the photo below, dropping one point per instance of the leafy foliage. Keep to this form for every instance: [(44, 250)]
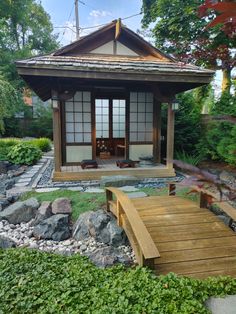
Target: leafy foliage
[(43, 143), (180, 31), (24, 154), (5, 146), (10, 102), (36, 282), (190, 159)]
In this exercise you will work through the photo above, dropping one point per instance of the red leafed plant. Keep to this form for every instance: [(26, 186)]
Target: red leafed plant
[(226, 15)]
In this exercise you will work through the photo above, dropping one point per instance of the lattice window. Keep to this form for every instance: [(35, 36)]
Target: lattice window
[(102, 118), (78, 118), (118, 118), (141, 117)]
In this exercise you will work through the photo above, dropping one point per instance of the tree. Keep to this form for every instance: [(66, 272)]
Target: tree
[(226, 15), (10, 101), (25, 30), (180, 31)]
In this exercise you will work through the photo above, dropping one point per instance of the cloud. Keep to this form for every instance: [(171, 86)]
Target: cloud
[(99, 13)]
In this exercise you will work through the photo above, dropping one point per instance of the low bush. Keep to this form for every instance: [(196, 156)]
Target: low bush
[(35, 282), (43, 143), (5, 145), (24, 154), (190, 159)]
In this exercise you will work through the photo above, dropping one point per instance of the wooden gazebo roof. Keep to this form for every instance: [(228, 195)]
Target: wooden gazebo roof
[(78, 61)]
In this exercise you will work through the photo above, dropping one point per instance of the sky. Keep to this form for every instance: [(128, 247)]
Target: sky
[(91, 13)]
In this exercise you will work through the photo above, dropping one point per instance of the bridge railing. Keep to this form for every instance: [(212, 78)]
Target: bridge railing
[(128, 218), (207, 198)]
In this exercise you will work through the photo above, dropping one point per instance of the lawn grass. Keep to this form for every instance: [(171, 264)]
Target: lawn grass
[(82, 201)]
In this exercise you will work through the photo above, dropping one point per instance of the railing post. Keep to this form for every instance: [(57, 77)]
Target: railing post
[(203, 200), (172, 189), (119, 212), (108, 198)]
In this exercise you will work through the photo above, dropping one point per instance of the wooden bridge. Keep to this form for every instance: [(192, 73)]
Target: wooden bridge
[(174, 234)]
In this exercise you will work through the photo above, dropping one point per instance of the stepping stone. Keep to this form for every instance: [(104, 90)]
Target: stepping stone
[(137, 195), (17, 191), (225, 305), (119, 180), (76, 188), (46, 190), (24, 180), (21, 184), (27, 176), (128, 188), (94, 190)]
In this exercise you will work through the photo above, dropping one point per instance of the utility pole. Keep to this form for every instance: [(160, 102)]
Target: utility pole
[(77, 19)]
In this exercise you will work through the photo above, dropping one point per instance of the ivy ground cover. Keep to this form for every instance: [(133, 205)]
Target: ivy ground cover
[(36, 282)]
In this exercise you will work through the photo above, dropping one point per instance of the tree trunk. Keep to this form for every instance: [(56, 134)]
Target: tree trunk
[(226, 82)]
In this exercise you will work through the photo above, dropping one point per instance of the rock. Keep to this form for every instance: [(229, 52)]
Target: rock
[(225, 219), (61, 206), (18, 191), (6, 184), (3, 167), (6, 243), (108, 256), (101, 226), (137, 195), (44, 212), (46, 190), (225, 305), (226, 176), (94, 190), (128, 188), (118, 180), (3, 203), (76, 188), (20, 211), (54, 228)]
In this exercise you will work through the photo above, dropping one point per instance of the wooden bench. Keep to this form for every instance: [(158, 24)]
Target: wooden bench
[(89, 164)]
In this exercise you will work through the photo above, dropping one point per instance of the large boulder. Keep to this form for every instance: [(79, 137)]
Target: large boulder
[(54, 228), (20, 211), (100, 225), (108, 256), (44, 212), (6, 243), (61, 205), (119, 180)]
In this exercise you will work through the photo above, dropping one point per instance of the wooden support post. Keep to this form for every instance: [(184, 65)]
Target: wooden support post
[(170, 138), (108, 198), (203, 200), (172, 189), (157, 131), (57, 131)]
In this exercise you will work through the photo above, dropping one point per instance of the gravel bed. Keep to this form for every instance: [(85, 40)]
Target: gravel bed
[(22, 235)]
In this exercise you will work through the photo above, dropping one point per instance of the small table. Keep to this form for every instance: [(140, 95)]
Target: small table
[(89, 164), (128, 163)]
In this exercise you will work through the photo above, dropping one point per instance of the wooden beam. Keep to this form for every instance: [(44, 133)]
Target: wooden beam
[(57, 133), (118, 29), (170, 137), (157, 131)]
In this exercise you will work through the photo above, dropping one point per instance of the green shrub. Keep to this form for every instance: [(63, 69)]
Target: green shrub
[(5, 145), (43, 143), (24, 154), (190, 159), (35, 282)]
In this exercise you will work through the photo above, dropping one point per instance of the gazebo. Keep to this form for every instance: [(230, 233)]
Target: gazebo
[(107, 90)]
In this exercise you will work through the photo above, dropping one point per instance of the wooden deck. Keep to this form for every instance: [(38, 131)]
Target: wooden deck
[(176, 235), (107, 167)]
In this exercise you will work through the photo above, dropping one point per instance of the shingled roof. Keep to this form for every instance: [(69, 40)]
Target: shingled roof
[(80, 60)]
